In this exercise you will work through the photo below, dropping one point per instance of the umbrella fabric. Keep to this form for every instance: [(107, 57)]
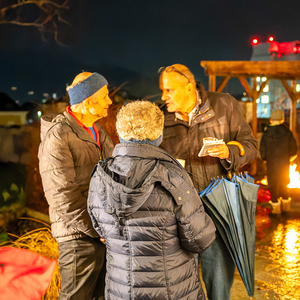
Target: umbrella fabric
[(24, 274), (221, 222), (248, 195), (247, 177), (231, 205), (220, 195), (225, 259)]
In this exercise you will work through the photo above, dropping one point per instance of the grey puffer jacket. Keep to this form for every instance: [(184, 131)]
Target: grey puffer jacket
[(67, 156), (145, 206), (218, 116)]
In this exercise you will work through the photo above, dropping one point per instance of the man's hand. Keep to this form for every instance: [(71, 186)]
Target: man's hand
[(221, 151)]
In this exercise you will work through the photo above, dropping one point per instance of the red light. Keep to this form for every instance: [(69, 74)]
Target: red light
[(271, 38), (254, 41), (295, 49)]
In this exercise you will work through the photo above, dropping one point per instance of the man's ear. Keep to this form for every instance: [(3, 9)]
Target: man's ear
[(190, 88), (85, 106), (87, 103)]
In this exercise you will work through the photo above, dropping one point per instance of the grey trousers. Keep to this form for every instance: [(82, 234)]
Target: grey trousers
[(217, 270), (82, 269)]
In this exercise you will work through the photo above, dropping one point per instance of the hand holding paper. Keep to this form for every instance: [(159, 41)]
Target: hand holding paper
[(214, 147), (221, 151)]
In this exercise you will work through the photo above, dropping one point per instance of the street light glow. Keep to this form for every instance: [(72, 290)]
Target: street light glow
[(271, 38), (254, 41)]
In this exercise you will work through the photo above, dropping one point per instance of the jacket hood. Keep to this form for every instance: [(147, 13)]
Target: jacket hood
[(48, 121), (129, 178)]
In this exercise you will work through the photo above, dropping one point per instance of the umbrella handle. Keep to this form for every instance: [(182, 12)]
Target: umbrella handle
[(239, 145)]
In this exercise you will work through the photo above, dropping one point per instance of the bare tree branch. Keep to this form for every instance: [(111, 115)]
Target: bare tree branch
[(44, 16)]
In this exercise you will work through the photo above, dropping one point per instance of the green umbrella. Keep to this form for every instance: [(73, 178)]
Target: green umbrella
[(231, 205)]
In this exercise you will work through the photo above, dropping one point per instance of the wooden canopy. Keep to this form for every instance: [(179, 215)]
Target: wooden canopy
[(282, 70)]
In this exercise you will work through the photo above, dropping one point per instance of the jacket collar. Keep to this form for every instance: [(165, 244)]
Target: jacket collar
[(204, 113), (143, 151), (79, 130), (201, 92)]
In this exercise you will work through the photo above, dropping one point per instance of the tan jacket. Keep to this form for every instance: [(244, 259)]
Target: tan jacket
[(67, 156)]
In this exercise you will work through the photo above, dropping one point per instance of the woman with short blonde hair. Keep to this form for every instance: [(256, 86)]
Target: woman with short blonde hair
[(143, 203)]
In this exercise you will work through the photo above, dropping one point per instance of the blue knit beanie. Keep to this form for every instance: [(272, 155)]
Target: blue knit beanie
[(86, 88)]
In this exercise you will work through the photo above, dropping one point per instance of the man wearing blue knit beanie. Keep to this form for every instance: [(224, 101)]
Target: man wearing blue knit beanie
[(72, 143)]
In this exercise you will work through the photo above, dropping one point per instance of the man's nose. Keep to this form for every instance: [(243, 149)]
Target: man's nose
[(109, 101), (164, 96)]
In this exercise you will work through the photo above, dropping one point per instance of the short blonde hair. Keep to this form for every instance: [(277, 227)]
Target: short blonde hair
[(79, 78), (140, 120)]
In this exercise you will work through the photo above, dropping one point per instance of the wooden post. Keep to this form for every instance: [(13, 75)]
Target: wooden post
[(254, 107), (253, 166), (254, 95), (212, 83), (293, 111), (223, 83)]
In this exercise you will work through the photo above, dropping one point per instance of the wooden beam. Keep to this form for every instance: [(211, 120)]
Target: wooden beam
[(223, 83), (269, 69), (289, 89), (212, 83), (246, 86), (262, 87)]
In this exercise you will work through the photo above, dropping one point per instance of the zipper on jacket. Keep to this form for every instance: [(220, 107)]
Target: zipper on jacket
[(200, 113), (122, 226)]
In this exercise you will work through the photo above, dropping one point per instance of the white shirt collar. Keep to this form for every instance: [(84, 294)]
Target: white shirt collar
[(192, 113)]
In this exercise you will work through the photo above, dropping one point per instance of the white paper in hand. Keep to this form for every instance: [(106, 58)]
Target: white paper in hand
[(208, 143)]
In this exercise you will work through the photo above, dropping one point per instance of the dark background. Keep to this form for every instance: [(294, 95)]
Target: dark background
[(125, 40)]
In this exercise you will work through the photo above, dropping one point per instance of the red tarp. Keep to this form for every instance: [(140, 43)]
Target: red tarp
[(24, 275)]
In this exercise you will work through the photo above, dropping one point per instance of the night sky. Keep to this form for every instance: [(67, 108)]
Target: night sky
[(124, 40)]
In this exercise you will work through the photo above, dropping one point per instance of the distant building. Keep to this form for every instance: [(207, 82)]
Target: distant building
[(11, 118), (274, 94), (55, 106), (10, 112)]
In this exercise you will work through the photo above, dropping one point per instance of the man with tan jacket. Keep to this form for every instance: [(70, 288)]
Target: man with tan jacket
[(72, 143)]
